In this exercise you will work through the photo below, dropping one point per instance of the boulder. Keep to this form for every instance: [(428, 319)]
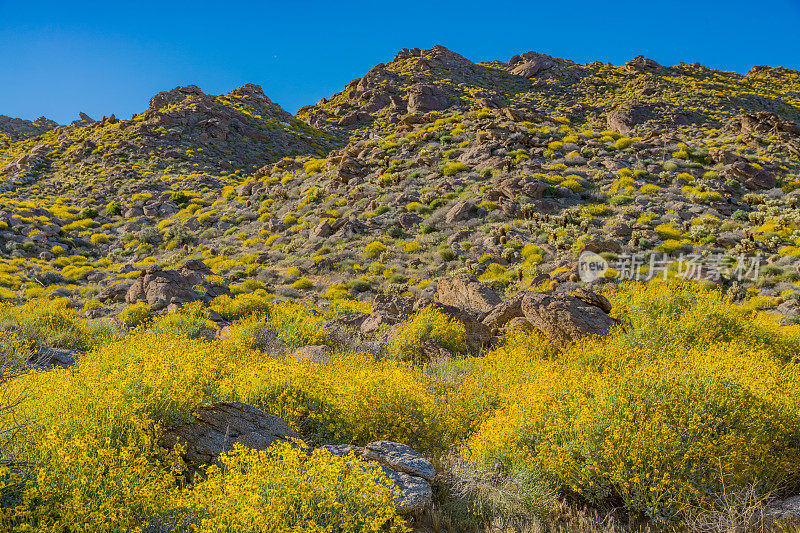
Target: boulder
[(530, 64), (48, 356), (388, 310), (218, 427), (751, 176), (425, 97), (532, 67), (321, 230), (641, 64), (116, 292), (160, 288), (787, 510), (408, 220), (625, 118), (409, 471), (461, 210), (319, 354), (504, 312), (467, 293), (401, 458), (565, 318), (478, 335)]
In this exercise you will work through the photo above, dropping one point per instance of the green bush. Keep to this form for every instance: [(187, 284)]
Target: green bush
[(135, 315), (428, 324), (374, 250)]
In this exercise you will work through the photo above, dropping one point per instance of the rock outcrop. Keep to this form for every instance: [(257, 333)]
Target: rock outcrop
[(160, 288), (565, 318), (216, 428), (466, 292)]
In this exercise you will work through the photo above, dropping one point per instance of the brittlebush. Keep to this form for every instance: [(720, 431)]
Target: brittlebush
[(286, 489), (428, 324), (693, 394)]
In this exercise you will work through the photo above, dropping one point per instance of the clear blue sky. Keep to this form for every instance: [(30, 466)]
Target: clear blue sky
[(59, 58)]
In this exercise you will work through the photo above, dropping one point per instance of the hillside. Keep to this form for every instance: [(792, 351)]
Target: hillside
[(565, 286), (447, 165)]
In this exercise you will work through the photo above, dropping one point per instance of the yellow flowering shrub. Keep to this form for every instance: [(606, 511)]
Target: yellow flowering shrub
[(285, 489), (135, 315), (693, 394), (50, 322), (351, 399), (428, 324), (92, 482), (242, 305), (14, 350)]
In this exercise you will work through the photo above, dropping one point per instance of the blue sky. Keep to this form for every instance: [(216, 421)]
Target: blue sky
[(60, 58)]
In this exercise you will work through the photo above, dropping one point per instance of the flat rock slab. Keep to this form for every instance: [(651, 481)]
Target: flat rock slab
[(218, 427)]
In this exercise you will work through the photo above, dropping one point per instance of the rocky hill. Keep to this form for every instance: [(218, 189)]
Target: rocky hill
[(182, 131), (14, 129), (409, 304), (429, 164)]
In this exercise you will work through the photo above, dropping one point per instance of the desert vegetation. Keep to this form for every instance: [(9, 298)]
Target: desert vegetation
[(374, 315)]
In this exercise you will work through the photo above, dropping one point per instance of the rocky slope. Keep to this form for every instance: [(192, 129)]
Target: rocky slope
[(14, 129), (429, 164), (182, 131)]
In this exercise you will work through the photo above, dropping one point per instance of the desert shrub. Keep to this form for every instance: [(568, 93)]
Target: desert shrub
[(135, 315), (571, 184), (374, 249), (191, 320), (692, 396), (297, 324), (669, 246), (427, 325), (623, 143), (99, 238), (447, 254), (620, 199), (89, 212), (302, 284), (312, 166), (90, 482), (328, 493), (241, 305), (668, 231), (113, 209), (49, 322), (451, 169)]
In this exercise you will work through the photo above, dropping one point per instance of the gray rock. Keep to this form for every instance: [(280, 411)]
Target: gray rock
[(425, 97), (400, 457), (626, 117), (409, 472), (788, 509), (217, 427), (461, 210), (48, 356), (414, 493), (504, 312), (752, 177), (319, 354)]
